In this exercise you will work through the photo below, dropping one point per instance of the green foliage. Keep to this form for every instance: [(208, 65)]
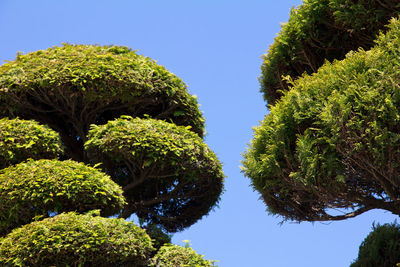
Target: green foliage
[(70, 239), (22, 139), (321, 30), (380, 248), (333, 140), (37, 188), (85, 84), (176, 256), (170, 177)]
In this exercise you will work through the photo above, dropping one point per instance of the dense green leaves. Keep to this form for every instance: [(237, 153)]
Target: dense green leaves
[(38, 188), (22, 139), (176, 256), (70, 239), (170, 177), (73, 86), (380, 248), (333, 141), (320, 30)]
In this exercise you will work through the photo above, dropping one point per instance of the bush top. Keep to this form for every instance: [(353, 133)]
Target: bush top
[(42, 187), (159, 140), (172, 255), (107, 75), (320, 30), (23, 139), (170, 177), (70, 239), (380, 248)]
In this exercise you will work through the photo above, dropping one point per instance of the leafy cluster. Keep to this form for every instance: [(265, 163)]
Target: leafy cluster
[(333, 140), (71, 239), (170, 177), (171, 256), (320, 30), (160, 171), (23, 139), (380, 248), (73, 86), (41, 187)]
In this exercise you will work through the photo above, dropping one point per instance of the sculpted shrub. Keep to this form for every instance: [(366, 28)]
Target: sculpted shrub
[(146, 133), (170, 177), (23, 139), (85, 84), (38, 188), (70, 239)]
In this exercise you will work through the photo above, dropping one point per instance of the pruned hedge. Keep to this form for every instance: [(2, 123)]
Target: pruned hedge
[(23, 139), (161, 167), (39, 188), (320, 30), (73, 86), (70, 239), (334, 139)]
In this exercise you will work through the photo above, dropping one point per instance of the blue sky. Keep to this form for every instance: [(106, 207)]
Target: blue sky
[(215, 47)]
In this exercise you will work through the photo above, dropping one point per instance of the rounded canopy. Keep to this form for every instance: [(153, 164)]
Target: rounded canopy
[(70, 239), (169, 176), (172, 255), (73, 86), (317, 31), (24, 139), (43, 187)]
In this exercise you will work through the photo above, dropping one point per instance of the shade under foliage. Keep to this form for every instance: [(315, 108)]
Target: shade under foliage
[(320, 30), (176, 256), (70, 239), (38, 188), (333, 141), (380, 248), (23, 139), (169, 176), (157, 235), (73, 86)]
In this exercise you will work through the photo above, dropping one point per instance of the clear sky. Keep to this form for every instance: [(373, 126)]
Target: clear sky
[(215, 46)]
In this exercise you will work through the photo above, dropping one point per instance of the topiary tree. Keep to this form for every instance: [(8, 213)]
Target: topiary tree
[(380, 248), (143, 155), (332, 141), (73, 86), (320, 30)]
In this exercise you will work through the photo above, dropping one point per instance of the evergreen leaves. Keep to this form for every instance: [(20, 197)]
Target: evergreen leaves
[(333, 141)]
